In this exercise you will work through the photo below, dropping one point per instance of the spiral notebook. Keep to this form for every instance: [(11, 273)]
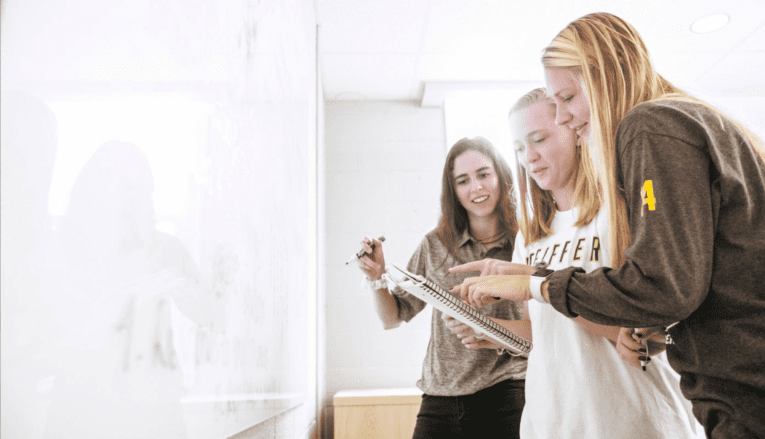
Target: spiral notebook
[(451, 305)]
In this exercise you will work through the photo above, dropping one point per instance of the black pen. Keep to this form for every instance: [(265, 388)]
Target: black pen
[(362, 252), (643, 363)]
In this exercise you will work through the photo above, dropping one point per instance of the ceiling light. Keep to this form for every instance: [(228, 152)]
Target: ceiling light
[(710, 23)]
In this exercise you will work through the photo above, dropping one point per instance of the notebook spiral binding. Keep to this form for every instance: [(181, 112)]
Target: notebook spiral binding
[(448, 303)]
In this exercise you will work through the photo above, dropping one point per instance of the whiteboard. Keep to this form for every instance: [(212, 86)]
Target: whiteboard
[(158, 218)]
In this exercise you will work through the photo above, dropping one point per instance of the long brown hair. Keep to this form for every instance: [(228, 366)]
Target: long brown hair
[(541, 201), (611, 62), (454, 218)]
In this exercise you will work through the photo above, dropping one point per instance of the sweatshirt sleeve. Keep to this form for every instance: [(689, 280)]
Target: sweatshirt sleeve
[(664, 169)]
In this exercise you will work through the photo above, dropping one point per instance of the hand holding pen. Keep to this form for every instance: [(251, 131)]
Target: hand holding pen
[(631, 349), (370, 258), (652, 340)]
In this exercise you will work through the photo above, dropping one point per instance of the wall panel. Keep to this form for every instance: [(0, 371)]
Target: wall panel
[(159, 217)]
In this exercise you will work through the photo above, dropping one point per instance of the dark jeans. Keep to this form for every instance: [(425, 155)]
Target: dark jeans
[(494, 412)]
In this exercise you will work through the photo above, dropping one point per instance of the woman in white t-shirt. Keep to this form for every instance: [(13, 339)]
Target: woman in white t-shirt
[(578, 383)]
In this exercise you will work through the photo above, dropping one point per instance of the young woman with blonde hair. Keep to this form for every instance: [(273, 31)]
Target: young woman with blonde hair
[(577, 367), (685, 189)]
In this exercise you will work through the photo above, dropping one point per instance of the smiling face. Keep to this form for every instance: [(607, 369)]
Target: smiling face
[(546, 150), (573, 108), (476, 184)]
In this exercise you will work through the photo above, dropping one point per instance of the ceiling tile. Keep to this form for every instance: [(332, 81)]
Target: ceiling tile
[(684, 68), (370, 76), (501, 66), (754, 42), (672, 32), (372, 27), (501, 40), (736, 71)]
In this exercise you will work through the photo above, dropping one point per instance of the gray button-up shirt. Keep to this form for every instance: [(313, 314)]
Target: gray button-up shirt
[(449, 368)]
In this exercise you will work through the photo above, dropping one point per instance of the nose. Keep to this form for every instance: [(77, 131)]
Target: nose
[(532, 155), (562, 116)]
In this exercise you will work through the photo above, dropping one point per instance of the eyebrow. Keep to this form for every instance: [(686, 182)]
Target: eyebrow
[(464, 174)]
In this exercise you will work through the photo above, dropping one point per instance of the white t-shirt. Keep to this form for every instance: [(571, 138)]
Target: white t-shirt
[(577, 385)]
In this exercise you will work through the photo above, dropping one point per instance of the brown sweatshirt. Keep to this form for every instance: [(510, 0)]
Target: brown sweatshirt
[(695, 195)]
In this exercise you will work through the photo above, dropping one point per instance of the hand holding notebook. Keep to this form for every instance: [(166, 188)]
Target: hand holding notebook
[(449, 304)]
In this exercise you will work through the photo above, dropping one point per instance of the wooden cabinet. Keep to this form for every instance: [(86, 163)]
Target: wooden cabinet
[(377, 413)]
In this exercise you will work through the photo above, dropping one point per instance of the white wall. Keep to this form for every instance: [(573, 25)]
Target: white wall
[(383, 165), (219, 218)]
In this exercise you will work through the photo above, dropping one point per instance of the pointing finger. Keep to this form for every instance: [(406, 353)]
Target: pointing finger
[(470, 266)]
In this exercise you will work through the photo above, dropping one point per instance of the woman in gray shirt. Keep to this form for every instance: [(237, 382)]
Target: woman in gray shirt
[(469, 390)]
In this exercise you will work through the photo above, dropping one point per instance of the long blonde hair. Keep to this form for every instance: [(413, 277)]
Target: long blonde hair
[(616, 74), (540, 200)]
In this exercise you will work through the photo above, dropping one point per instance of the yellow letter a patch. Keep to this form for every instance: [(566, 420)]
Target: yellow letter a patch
[(646, 193)]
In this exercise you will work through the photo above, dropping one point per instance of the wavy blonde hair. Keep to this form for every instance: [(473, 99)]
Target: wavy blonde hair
[(611, 61), (538, 225)]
